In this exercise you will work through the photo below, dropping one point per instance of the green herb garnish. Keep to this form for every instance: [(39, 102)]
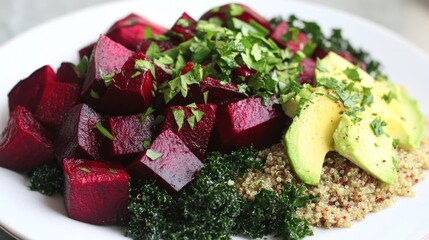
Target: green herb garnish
[(152, 155), (104, 131), (377, 126)]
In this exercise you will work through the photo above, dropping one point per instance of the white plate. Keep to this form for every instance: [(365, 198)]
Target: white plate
[(29, 215)]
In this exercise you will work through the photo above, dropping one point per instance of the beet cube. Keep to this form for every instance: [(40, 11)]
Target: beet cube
[(247, 15), (169, 161), (196, 137), (57, 98), (163, 45), (130, 134), (130, 30), (243, 73), (27, 92), (307, 73), (294, 45), (95, 192), (218, 92), (86, 51), (131, 90), (24, 144), (78, 136), (248, 122), (185, 26), (68, 73), (107, 58)]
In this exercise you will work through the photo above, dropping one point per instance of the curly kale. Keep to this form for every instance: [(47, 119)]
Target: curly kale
[(48, 179), (211, 207)]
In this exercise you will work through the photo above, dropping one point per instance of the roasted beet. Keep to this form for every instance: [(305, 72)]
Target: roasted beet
[(131, 90), (306, 75), (86, 51), (107, 58), (95, 192), (248, 122), (24, 144), (240, 11), (196, 137), (243, 73), (144, 45), (130, 135), (68, 73), (78, 136), (279, 35), (130, 30), (57, 98), (169, 161), (27, 92), (185, 26)]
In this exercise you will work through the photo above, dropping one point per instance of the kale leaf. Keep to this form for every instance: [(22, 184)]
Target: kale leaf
[(48, 179)]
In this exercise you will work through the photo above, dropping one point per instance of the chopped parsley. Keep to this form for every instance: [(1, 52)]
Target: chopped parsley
[(377, 126), (179, 117), (107, 78), (104, 131), (152, 155), (84, 169)]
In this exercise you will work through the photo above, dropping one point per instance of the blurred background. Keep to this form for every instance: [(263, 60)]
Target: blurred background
[(408, 18)]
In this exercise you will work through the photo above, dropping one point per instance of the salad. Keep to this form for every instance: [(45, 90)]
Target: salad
[(229, 118)]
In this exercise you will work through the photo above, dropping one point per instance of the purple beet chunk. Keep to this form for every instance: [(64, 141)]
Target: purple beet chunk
[(68, 73), (197, 137), (130, 91), (130, 134), (27, 92), (24, 144), (130, 30), (78, 136), (95, 192), (163, 45), (56, 100), (185, 26), (307, 73), (107, 57), (294, 45), (248, 122), (86, 51), (169, 161), (219, 93)]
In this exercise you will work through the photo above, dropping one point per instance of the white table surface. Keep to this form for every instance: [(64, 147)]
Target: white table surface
[(408, 18)]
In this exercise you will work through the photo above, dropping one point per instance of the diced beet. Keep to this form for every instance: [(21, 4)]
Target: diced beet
[(162, 76), (107, 57), (173, 168), (130, 134), (294, 45), (57, 99), (130, 91), (218, 92), (78, 136), (68, 73), (185, 26), (243, 73), (27, 92), (196, 138), (130, 30), (95, 192), (24, 144), (248, 122), (86, 51), (307, 73), (143, 46), (188, 67), (247, 15)]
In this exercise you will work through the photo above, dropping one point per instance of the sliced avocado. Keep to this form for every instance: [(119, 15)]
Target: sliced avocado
[(309, 137), (336, 67), (357, 142), (404, 119), (290, 107)]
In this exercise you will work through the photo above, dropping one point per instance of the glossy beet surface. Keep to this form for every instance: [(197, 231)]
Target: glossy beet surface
[(280, 36), (185, 27), (95, 192), (68, 73), (78, 136), (57, 99), (248, 122), (174, 167), (197, 137), (130, 91), (24, 143), (107, 58), (130, 134), (130, 30), (27, 92)]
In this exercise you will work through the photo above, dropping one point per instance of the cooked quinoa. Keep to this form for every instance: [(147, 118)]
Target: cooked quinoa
[(346, 192)]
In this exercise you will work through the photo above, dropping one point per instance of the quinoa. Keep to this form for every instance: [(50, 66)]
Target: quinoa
[(346, 192)]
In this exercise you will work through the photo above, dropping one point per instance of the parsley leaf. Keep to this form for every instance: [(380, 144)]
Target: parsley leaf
[(152, 155), (179, 116), (104, 131), (377, 126)]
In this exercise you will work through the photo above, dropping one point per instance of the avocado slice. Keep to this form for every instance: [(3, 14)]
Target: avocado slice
[(357, 142), (309, 137), (405, 121)]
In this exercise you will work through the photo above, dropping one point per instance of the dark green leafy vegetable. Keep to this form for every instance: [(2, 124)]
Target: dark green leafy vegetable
[(48, 179)]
